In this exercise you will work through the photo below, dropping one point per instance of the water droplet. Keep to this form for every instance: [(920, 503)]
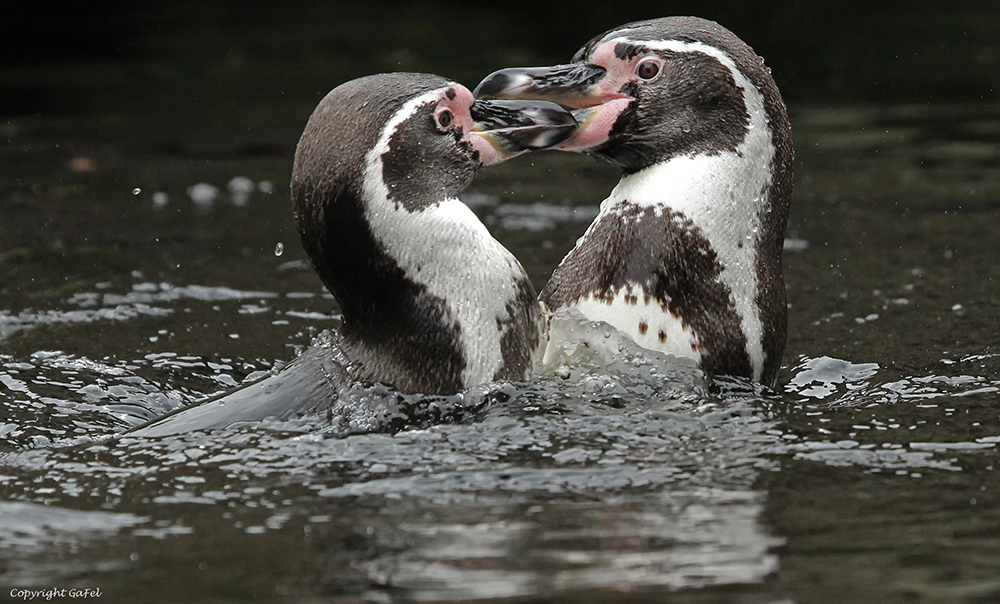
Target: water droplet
[(240, 188), (240, 184), (136, 191), (203, 194), (279, 249), (160, 199)]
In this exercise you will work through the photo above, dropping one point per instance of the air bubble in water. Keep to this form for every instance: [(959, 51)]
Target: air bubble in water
[(279, 249), (136, 191)]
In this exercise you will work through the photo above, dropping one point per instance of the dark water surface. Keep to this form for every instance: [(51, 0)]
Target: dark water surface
[(144, 165)]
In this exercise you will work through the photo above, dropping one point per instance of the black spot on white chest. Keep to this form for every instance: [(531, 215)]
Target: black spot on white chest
[(654, 275)]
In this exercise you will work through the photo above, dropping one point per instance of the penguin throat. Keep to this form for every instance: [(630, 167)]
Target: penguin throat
[(442, 247)]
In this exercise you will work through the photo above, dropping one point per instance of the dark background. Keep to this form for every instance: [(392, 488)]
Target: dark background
[(825, 52)]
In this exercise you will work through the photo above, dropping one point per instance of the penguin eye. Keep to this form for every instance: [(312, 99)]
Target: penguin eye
[(647, 69), (443, 118)]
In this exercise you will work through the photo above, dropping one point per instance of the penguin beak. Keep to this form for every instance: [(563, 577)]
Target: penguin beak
[(512, 127), (577, 86)]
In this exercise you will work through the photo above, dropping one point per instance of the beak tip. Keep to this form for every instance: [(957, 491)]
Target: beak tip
[(568, 85), (492, 85)]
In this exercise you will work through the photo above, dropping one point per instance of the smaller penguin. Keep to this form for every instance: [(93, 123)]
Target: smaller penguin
[(431, 302)]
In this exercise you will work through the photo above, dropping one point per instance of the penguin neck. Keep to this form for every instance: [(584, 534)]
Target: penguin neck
[(726, 195), (476, 289)]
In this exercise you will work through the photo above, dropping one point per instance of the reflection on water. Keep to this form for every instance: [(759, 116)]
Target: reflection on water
[(540, 495), (543, 493), (28, 530)]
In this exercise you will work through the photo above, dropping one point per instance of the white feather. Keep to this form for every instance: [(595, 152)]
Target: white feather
[(678, 340)]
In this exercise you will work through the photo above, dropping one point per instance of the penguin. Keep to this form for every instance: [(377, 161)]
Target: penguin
[(431, 303), (685, 256)]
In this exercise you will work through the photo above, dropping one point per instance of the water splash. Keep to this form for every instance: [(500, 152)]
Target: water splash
[(820, 377)]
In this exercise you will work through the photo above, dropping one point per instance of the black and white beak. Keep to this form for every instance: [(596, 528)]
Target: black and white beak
[(512, 127), (575, 85), (578, 86)]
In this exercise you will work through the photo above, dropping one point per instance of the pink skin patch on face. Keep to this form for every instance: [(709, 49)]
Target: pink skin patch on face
[(618, 72), (488, 154), (606, 101), (595, 125), (459, 103), (458, 100)]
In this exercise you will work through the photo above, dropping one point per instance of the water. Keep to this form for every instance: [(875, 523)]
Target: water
[(869, 476)]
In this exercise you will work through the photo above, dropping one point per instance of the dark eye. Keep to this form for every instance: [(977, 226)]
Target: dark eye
[(647, 70), (444, 118)]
